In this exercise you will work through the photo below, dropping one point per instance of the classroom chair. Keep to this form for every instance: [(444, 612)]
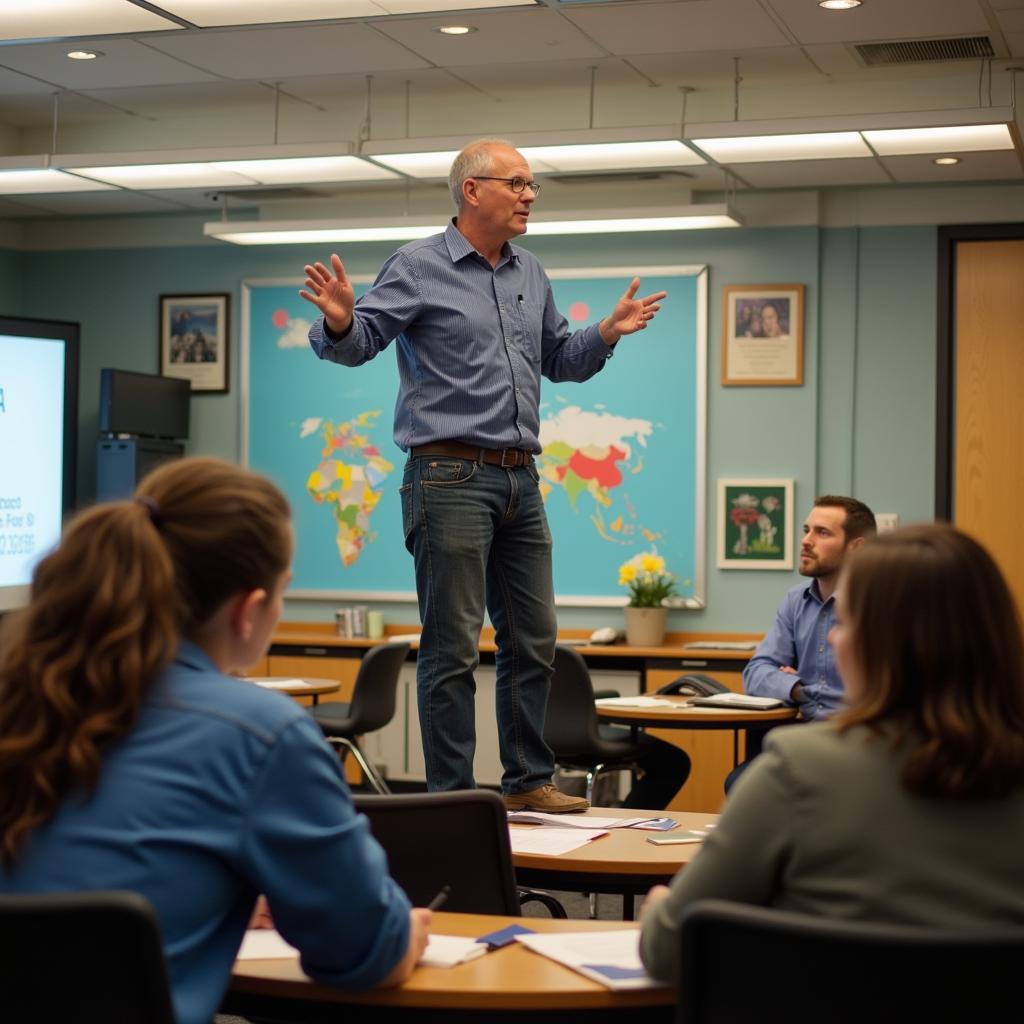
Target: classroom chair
[(372, 707), (745, 963), (82, 956), (572, 729), (457, 839)]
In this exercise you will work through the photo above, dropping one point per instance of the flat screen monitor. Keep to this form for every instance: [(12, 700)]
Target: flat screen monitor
[(144, 404), (38, 444)]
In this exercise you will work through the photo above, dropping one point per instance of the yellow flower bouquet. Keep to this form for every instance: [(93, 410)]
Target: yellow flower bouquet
[(649, 583)]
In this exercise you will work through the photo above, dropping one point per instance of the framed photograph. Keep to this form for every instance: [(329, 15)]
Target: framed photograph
[(763, 334), (194, 340), (755, 524)]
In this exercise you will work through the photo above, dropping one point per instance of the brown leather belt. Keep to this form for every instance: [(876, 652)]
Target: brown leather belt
[(509, 458)]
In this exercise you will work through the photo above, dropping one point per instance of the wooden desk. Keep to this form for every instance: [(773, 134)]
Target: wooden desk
[(295, 687), (505, 984), (622, 862), (683, 716)]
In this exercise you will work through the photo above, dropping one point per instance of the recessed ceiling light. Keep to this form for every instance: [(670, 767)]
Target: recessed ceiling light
[(946, 161), (455, 30), (84, 54), (839, 5)]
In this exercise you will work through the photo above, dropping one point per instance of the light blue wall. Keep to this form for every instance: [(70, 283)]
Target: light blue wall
[(863, 422)]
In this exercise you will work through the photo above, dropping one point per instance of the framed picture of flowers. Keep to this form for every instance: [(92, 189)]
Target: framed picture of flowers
[(755, 524)]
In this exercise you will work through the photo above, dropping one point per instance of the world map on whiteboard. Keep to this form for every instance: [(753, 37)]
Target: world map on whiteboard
[(618, 469)]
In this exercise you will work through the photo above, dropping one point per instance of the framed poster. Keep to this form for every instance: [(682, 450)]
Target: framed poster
[(755, 524), (622, 466), (194, 340), (763, 334)]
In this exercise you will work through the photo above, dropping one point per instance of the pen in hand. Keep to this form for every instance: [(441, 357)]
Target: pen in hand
[(439, 900)]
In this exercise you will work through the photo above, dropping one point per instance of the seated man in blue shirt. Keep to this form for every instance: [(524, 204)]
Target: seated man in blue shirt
[(795, 661)]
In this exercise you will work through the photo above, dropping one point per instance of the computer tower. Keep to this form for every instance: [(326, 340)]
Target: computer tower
[(122, 462)]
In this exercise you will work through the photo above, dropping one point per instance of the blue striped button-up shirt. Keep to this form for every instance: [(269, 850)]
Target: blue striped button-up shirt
[(473, 341), (799, 639)]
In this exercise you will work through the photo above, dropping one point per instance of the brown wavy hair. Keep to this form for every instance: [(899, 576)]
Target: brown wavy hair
[(937, 639), (107, 610)]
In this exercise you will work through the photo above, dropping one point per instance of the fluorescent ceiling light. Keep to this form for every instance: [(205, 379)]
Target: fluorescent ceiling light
[(45, 180), (419, 165), (381, 230), (299, 170), (958, 139), (767, 148), (148, 176), (608, 156), (45, 19)]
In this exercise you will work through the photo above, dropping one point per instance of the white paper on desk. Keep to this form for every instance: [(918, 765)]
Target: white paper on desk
[(265, 944), (279, 684), (571, 820), (635, 702), (611, 958), (449, 950), (551, 841)]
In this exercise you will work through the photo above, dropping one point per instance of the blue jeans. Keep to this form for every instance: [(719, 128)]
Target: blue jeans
[(479, 537)]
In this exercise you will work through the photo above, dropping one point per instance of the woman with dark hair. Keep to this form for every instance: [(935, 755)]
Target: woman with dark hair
[(908, 806), (129, 759)]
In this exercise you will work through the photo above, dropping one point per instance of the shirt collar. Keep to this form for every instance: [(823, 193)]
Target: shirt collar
[(193, 656), (459, 246), (813, 590)]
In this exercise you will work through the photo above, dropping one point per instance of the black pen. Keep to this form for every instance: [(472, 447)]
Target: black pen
[(439, 900)]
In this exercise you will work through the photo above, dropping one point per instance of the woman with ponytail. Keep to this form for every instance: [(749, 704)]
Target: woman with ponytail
[(131, 759)]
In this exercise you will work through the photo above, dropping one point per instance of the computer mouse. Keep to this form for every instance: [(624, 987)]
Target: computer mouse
[(604, 635)]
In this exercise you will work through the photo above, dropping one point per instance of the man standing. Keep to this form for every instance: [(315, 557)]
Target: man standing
[(795, 662), (476, 327)]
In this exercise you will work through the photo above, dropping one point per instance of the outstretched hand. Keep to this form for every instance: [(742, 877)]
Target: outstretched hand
[(630, 314), (331, 293)]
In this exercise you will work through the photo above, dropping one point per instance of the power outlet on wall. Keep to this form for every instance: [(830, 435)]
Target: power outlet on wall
[(887, 521)]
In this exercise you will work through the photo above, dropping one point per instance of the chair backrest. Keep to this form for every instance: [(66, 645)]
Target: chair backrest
[(571, 724), (376, 686), (754, 963), (82, 956), (458, 839)]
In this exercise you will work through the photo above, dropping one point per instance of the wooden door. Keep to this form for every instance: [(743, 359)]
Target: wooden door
[(988, 468)]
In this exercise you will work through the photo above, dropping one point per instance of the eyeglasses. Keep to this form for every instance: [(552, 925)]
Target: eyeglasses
[(516, 184)]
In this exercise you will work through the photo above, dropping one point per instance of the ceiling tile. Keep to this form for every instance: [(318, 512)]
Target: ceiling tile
[(684, 28), (972, 167), (890, 19), (716, 69), (1012, 21), (212, 13), (503, 37), (187, 100), (275, 53), (43, 19), (124, 63), (14, 84), (813, 174)]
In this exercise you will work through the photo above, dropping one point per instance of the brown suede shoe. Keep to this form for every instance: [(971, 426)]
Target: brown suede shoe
[(545, 798)]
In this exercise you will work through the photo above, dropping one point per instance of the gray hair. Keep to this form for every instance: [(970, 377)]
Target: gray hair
[(472, 161)]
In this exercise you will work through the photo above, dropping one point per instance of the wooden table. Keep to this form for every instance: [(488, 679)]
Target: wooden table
[(621, 862), (682, 715), (295, 687), (508, 984)]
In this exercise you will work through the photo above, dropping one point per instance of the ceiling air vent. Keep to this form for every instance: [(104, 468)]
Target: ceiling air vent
[(918, 51), (616, 177)]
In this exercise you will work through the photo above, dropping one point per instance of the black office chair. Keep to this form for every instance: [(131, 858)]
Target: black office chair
[(459, 839), (372, 707), (91, 956), (572, 728), (743, 963)]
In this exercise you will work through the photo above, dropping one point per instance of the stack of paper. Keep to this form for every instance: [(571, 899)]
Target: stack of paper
[(265, 944), (449, 950), (551, 841), (635, 702), (737, 700), (571, 820), (611, 958)]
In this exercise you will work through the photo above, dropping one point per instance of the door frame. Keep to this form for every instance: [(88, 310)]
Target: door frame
[(945, 371)]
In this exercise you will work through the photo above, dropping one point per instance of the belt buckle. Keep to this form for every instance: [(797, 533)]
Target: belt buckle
[(515, 458)]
